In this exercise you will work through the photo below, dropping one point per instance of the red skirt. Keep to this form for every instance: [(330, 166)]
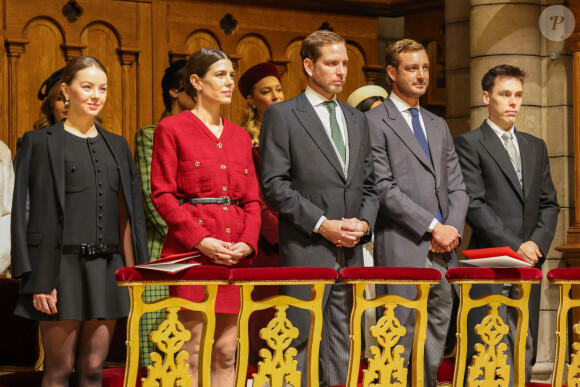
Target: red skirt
[(228, 296)]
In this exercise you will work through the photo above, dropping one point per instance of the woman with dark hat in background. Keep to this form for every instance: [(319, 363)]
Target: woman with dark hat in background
[(204, 186), (175, 101), (53, 108), (260, 86), (86, 221)]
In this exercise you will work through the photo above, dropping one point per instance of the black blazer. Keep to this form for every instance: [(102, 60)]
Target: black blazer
[(37, 246)]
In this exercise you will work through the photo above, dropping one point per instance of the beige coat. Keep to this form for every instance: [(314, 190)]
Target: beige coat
[(6, 188)]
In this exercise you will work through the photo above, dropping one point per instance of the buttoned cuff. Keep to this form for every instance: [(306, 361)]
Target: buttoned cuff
[(320, 221)]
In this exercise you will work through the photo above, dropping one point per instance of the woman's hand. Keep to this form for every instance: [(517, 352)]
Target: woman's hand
[(218, 251), (45, 302)]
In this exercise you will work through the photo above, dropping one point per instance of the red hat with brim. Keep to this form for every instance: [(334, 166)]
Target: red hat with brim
[(254, 74)]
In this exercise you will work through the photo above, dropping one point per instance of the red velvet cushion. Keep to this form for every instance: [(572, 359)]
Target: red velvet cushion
[(445, 370), (114, 377), (195, 273), (564, 274), (302, 274), (493, 273), (389, 273)]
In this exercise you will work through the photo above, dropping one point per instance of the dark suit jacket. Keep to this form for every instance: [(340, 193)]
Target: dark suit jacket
[(37, 246), (500, 212), (411, 188), (301, 177)]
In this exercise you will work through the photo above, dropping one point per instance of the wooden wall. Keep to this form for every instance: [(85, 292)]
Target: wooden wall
[(137, 39)]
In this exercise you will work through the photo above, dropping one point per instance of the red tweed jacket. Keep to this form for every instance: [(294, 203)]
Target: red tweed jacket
[(189, 161)]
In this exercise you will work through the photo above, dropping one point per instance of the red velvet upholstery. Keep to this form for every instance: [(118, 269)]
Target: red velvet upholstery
[(564, 274), (17, 334), (389, 273), (445, 370), (195, 273), (295, 274), (493, 274)]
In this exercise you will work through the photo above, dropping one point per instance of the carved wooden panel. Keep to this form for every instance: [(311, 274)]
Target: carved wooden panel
[(294, 81), (41, 57), (102, 43)]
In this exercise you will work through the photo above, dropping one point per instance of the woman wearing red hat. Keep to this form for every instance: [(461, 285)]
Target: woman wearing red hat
[(260, 86), (204, 186)]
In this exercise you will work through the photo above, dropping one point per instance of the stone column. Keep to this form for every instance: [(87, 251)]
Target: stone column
[(507, 32), (457, 61)]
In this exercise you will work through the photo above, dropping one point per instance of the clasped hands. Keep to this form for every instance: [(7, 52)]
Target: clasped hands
[(530, 252), (444, 238), (344, 232), (224, 253)]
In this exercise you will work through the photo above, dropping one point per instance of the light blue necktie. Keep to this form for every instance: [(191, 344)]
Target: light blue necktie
[(420, 136)]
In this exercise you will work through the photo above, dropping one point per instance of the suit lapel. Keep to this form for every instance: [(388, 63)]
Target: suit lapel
[(435, 141), (396, 121), (528, 162), (308, 118), (497, 151), (55, 144), (353, 129)]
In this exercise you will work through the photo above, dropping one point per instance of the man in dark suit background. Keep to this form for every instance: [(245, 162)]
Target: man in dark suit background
[(512, 198), (423, 200), (316, 170)]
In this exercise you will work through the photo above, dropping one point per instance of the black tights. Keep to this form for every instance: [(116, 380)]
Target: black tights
[(82, 345)]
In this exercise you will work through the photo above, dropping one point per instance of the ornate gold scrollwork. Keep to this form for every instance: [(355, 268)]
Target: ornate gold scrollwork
[(574, 367), (278, 365), (388, 365), (490, 362), (171, 370)]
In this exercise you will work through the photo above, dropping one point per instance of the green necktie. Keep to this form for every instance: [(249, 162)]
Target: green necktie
[(335, 130)]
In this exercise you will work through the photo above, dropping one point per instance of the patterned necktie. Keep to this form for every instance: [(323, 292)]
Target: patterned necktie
[(335, 130), (513, 154), (420, 136)]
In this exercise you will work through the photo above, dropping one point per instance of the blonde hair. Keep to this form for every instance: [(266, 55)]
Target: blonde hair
[(251, 124)]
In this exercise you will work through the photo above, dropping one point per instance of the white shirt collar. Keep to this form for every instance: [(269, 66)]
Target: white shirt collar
[(400, 104), (315, 98), (499, 131)]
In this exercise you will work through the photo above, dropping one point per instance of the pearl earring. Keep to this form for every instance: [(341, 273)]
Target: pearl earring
[(66, 102)]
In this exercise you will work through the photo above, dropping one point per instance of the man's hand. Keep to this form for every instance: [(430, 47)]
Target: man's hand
[(331, 230), (530, 252), (352, 228), (445, 238)]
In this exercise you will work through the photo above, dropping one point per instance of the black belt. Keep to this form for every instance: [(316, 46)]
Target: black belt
[(222, 200), (89, 249)]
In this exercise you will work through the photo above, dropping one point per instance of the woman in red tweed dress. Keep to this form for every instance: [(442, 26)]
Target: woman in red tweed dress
[(204, 186)]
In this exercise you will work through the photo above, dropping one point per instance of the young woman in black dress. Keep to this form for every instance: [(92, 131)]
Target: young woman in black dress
[(86, 221)]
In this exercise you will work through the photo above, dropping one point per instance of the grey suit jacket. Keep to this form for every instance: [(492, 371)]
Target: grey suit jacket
[(301, 177), (500, 212), (411, 188)]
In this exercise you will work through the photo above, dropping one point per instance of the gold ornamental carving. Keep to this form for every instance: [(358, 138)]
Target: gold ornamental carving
[(490, 362), (387, 365), (278, 365), (170, 370), (574, 367)]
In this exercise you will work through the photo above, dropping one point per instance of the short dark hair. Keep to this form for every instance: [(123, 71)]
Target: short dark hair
[(172, 80), (503, 70), (311, 45), (199, 63)]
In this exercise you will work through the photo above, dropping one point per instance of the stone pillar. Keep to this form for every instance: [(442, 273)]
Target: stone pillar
[(457, 61), (507, 32)]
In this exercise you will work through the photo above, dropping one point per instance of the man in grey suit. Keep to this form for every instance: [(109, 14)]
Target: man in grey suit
[(512, 198), (422, 197), (316, 169)]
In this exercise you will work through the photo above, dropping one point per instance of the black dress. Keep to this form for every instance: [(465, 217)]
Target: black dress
[(86, 287)]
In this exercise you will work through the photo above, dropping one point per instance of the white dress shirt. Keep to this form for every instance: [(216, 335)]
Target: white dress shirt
[(499, 131)]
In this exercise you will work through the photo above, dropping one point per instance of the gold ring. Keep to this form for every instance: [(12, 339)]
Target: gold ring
[(33, 302)]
